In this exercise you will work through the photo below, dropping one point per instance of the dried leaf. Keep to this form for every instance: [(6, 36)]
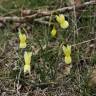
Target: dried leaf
[(92, 78)]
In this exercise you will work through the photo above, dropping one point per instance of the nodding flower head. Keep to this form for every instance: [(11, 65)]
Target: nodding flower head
[(61, 20)]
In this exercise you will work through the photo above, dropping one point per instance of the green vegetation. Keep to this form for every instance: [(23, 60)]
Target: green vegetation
[(50, 76)]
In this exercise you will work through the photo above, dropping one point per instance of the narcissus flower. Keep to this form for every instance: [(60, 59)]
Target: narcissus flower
[(27, 59), (67, 53), (61, 20), (53, 32), (22, 38)]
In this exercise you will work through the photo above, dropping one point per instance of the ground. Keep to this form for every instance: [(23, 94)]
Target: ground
[(50, 76)]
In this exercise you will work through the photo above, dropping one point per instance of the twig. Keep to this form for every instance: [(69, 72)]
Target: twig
[(41, 85), (83, 42), (77, 7), (17, 19), (43, 22), (80, 43), (43, 13)]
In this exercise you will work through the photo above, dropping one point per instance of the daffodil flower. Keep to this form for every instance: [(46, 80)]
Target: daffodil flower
[(27, 59), (67, 53), (22, 38), (53, 32), (61, 20)]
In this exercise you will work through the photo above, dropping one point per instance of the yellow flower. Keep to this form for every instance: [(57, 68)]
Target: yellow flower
[(61, 20), (53, 32), (67, 50), (64, 25), (27, 59), (67, 53), (68, 59), (22, 38), (27, 68)]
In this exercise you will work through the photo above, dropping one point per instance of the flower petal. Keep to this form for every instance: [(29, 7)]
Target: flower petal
[(68, 59), (53, 32), (22, 38), (27, 68), (62, 18), (67, 50), (58, 19), (27, 57), (22, 45)]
